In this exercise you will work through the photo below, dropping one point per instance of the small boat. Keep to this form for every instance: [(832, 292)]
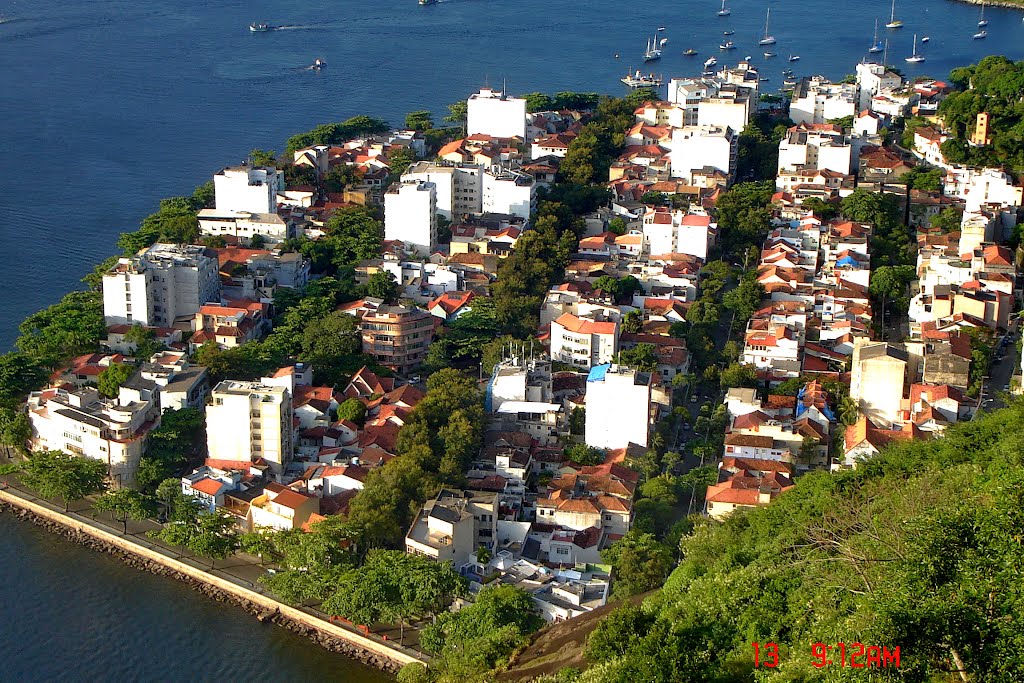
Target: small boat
[(982, 21), (725, 11), (653, 52), (768, 39), (689, 53), (768, 54), (728, 33), (916, 57), (876, 45), (794, 58), (639, 80), (727, 45), (710, 61), (259, 27), (661, 28), (980, 35), (318, 64), (428, 2), (764, 78), (925, 39), (893, 21), (789, 83), (747, 58)]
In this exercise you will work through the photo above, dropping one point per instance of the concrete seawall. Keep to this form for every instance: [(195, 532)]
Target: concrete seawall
[(367, 649)]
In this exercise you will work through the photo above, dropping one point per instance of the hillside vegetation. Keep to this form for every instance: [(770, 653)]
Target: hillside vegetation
[(921, 548), (994, 85)]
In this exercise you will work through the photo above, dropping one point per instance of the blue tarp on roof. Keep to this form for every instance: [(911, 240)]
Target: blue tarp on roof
[(801, 408), (598, 372), (846, 261)]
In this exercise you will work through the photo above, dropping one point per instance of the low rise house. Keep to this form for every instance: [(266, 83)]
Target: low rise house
[(584, 341), (281, 508), (454, 525)]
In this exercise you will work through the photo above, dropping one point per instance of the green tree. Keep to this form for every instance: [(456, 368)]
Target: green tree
[(112, 377), (352, 409), (328, 342), (262, 157), (737, 375), (888, 285), (56, 474), (632, 322), (640, 563), (457, 112), (144, 340), (399, 161), (419, 120), (125, 504), (642, 357), (948, 220), (382, 285), (584, 455), (538, 101), (15, 429)]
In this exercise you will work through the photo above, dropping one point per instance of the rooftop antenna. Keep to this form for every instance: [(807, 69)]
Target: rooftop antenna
[(503, 91)]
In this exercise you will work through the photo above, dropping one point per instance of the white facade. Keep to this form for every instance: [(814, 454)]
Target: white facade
[(697, 147), (84, 424), (668, 232), (618, 407), (508, 192), (458, 186), (163, 285), (818, 100), (817, 150), (244, 225), (246, 188), (249, 420), (873, 79), (688, 93), (583, 342), (410, 215), (496, 114), (724, 111)]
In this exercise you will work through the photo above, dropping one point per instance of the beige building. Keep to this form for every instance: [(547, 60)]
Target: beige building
[(282, 508), (584, 342), (453, 525), (396, 336), (879, 380), (247, 421)]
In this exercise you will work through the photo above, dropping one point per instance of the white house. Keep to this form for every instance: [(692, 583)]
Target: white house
[(618, 401), (496, 114), (410, 215), (252, 189), (698, 147)]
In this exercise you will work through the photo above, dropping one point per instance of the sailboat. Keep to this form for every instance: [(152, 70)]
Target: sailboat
[(652, 52), (893, 21), (876, 44), (915, 58), (982, 21), (768, 38), (725, 11)]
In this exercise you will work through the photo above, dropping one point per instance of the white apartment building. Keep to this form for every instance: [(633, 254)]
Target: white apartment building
[(583, 342), (618, 407), (249, 420), (698, 147), (458, 186), (163, 285), (495, 114), (410, 215), (819, 100), (678, 232), (821, 149), (85, 424), (243, 225), (873, 79), (879, 380), (729, 108), (688, 93), (980, 187), (252, 189), (509, 192)]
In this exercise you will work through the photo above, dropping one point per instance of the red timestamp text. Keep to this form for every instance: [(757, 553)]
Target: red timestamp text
[(854, 655)]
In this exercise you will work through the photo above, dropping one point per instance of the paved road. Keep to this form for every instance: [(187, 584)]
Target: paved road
[(1003, 368)]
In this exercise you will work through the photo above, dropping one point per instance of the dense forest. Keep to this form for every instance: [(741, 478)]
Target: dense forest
[(922, 548), (994, 85)]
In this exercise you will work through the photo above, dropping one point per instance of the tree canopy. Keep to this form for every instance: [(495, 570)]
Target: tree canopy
[(56, 474)]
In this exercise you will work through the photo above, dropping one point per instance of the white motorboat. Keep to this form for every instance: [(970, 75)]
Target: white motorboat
[(259, 27), (639, 80)]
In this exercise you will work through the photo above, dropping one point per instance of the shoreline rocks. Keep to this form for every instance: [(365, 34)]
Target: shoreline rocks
[(262, 614)]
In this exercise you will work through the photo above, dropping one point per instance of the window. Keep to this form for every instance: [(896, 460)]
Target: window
[(561, 551)]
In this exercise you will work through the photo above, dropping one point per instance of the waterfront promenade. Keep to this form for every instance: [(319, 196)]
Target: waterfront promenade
[(233, 579)]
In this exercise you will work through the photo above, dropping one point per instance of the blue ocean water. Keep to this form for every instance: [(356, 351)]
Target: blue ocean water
[(108, 105)]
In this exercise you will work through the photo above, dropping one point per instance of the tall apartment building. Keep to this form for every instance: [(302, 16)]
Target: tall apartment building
[(396, 336), (250, 420), (458, 186), (495, 114), (698, 147), (618, 407), (252, 189), (85, 424), (819, 100), (509, 192), (584, 342), (163, 285), (410, 215)]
